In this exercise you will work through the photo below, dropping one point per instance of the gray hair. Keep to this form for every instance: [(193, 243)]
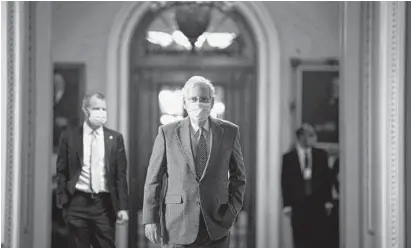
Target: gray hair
[(198, 80), (87, 97)]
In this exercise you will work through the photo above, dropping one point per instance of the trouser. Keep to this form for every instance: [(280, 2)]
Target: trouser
[(203, 239), (91, 221)]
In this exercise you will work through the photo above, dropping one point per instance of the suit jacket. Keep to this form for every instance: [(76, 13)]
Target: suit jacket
[(292, 180), (218, 196), (70, 162)]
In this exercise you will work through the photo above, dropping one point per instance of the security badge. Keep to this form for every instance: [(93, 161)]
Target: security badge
[(307, 173)]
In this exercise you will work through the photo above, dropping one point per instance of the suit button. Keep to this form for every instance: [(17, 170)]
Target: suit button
[(198, 203)]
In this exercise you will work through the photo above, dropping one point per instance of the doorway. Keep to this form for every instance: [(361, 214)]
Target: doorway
[(161, 61)]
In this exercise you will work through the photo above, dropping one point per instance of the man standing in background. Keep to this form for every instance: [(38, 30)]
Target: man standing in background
[(91, 178), (306, 190)]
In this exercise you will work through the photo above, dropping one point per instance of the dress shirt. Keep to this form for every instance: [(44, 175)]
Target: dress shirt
[(302, 152), (84, 183)]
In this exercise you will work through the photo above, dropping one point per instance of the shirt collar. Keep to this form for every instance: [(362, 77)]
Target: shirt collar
[(302, 150), (88, 130), (206, 126)]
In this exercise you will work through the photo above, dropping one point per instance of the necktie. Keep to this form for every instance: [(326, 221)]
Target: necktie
[(201, 152), (307, 180), (94, 164)]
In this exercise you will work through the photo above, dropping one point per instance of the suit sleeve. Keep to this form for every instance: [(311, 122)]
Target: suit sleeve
[(237, 182), (153, 185), (121, 175), (285, 183), (328, 179), (62, 171)]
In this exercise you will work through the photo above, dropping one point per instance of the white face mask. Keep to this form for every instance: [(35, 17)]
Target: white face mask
[(97, 117), (199, 111)]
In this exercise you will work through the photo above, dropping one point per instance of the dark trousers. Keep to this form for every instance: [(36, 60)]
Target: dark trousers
[(90, 221), (309, 224), (334, 223), (203, 239)]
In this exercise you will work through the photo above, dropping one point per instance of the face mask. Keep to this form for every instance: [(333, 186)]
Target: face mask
[(97, 117), (199, 111)]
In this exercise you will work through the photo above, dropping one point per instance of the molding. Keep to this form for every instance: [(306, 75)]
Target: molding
[(367, 110), (295, 62), (20, 136), (10, 52), (407, 127), (16, 56), (29, 125), (350, 128), (268, 105), (391, 118)]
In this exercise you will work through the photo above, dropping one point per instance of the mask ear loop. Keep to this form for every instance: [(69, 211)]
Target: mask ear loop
[(88, 113)]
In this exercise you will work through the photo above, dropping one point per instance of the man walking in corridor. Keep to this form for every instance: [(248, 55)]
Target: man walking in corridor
[(201, 160)]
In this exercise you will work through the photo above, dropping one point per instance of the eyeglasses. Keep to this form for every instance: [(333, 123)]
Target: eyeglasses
[(198, 99)]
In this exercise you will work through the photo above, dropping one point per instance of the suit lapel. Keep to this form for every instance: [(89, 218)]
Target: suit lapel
[(217, 132), (183, 136), (108, 144), (79, 144)]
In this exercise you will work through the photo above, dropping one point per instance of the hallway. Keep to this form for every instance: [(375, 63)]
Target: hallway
[(114, 48)]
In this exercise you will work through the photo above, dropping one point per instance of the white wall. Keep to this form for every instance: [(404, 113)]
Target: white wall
[(307, 30), (80, 34), (44, 111)]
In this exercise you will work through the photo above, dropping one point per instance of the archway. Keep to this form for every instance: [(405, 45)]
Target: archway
[(268, 103)]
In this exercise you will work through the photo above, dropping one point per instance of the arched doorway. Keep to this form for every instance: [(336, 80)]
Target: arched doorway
[(161, 60), (268, 105)]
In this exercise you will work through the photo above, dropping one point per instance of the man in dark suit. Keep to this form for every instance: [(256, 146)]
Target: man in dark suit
[(306, 190), (201, 159), (91, 185)]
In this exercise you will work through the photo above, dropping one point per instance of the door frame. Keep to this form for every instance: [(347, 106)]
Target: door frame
[(268, 102)]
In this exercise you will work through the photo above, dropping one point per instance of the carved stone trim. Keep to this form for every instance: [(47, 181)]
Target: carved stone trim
[(29, 125), (396, 116), (391, 86), (11, 15), (20, 124)]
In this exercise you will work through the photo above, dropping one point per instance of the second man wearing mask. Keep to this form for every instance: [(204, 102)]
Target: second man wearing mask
[(91, 178), (203, 164)]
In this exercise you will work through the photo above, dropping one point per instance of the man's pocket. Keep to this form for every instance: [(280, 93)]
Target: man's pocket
[(227, 215)]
